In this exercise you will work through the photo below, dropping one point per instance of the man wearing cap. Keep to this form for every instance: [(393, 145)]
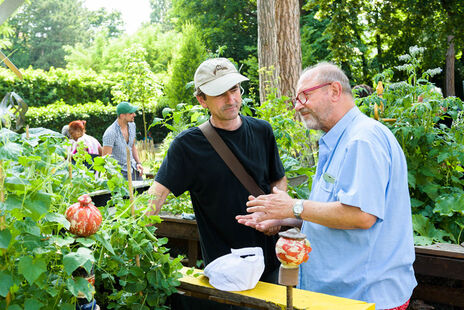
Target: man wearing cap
[(192, 164), (121, 134)]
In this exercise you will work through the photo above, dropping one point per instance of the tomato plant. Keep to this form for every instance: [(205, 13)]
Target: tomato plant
[(39, 256), (433, 147)]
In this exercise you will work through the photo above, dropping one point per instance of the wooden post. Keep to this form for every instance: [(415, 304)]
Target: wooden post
[(131, 193), (289, 297), (69, 165), (2, 220)]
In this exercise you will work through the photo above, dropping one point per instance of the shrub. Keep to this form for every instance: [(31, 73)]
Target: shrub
[(42, 261), (40, 88), (434, 151), (98, 116)]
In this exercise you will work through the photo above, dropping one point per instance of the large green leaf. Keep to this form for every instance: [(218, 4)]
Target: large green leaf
[(15, 183), (6, 281), (32, 304), (61, 242), (38, 204), (28, 226), (10, 150), (81, 285), (13, 202), (57, 218), (31, 268), (5, 238), (81, 258), (448, 205), (104, 240)]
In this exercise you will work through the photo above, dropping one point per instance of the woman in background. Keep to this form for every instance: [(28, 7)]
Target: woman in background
[(77, 133)]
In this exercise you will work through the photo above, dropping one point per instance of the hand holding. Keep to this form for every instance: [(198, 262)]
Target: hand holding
[(277, 205)]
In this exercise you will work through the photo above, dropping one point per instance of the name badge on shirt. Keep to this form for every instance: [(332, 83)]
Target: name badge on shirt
[(328, 178)]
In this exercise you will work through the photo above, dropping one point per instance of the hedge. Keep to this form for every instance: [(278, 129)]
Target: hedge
[(40, 88), (98, 116)]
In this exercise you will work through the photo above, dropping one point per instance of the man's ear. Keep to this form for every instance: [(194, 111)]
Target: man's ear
[(336, 90), (202, 101)]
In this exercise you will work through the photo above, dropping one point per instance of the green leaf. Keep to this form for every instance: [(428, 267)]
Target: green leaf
[(104, 240), (67, 307), (421, 240), (13, 202), (5, 238), (14, 307), (10, 151), (57, 218), (61, 242), (82, 257), (87, 242), (447, 205), (81, 285), (39, 204), (6, 281), (28, 226), (32, 304), (15, 183), (31, 268)]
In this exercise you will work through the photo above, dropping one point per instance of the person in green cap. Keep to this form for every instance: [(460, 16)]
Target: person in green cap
[(121, 134)]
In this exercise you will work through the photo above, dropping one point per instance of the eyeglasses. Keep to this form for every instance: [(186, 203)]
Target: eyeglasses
[(301, 97)]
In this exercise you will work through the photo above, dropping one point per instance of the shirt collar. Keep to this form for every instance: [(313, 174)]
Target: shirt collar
[(331, 137)]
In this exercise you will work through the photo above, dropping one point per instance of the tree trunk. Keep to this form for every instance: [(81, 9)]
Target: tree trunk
[(289, 44), (450, 55), (268, 59)]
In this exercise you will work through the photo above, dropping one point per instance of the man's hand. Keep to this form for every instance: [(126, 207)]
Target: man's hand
[(268, 227), (139, 169), (277, 205)]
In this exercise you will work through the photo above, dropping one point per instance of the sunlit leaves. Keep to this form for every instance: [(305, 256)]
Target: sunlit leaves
[(5, 238), (31, 268), (6, 281)]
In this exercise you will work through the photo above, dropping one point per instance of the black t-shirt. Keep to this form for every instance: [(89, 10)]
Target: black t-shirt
[(217, 195)]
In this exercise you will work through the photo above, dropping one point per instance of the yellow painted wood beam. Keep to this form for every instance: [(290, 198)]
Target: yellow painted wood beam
[(266, 295)]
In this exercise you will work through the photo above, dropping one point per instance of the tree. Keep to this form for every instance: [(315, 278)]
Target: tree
[(43, 27), (279, 46), (182, 69), (139, 85), (231, 23), (365, 35), (103, 21), (268, 52), (159, 12), (289, 45)]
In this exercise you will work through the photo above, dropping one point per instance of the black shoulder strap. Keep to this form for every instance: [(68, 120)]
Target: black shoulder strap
[(230, 159)]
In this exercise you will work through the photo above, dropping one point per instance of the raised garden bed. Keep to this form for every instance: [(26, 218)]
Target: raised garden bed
[(439, 268)]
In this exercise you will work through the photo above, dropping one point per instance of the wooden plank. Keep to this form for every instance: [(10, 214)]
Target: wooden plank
[(177, 228), (442, 249), (436, 266), (439, 294), (267, 295)]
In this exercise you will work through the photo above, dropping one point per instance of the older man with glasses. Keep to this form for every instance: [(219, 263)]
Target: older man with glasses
[(358, 215)]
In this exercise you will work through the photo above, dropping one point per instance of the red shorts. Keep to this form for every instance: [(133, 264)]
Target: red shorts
[(402, 307)]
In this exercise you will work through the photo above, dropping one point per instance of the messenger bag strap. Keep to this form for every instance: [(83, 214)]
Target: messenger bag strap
[(230, 159)]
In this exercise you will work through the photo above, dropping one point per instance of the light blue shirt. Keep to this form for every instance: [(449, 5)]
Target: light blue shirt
[(114, 138), (362, 165)]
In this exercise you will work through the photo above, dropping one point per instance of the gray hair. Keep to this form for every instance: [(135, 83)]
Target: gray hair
[(326, 72)]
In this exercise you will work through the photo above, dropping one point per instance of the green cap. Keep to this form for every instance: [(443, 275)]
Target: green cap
[(125, 107)]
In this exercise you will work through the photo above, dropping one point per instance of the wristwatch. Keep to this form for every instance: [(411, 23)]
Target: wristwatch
[(298, 208)]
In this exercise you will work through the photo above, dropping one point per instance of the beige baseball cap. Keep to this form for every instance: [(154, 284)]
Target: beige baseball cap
[(215, 76)]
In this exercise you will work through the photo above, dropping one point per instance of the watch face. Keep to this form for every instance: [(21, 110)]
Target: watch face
[(298, 208)]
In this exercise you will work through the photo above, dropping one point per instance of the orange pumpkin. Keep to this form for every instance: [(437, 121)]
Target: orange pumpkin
[(84, 217)]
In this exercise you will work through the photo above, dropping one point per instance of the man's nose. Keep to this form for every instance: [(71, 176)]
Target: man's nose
[(298, 105), (231, 96)]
